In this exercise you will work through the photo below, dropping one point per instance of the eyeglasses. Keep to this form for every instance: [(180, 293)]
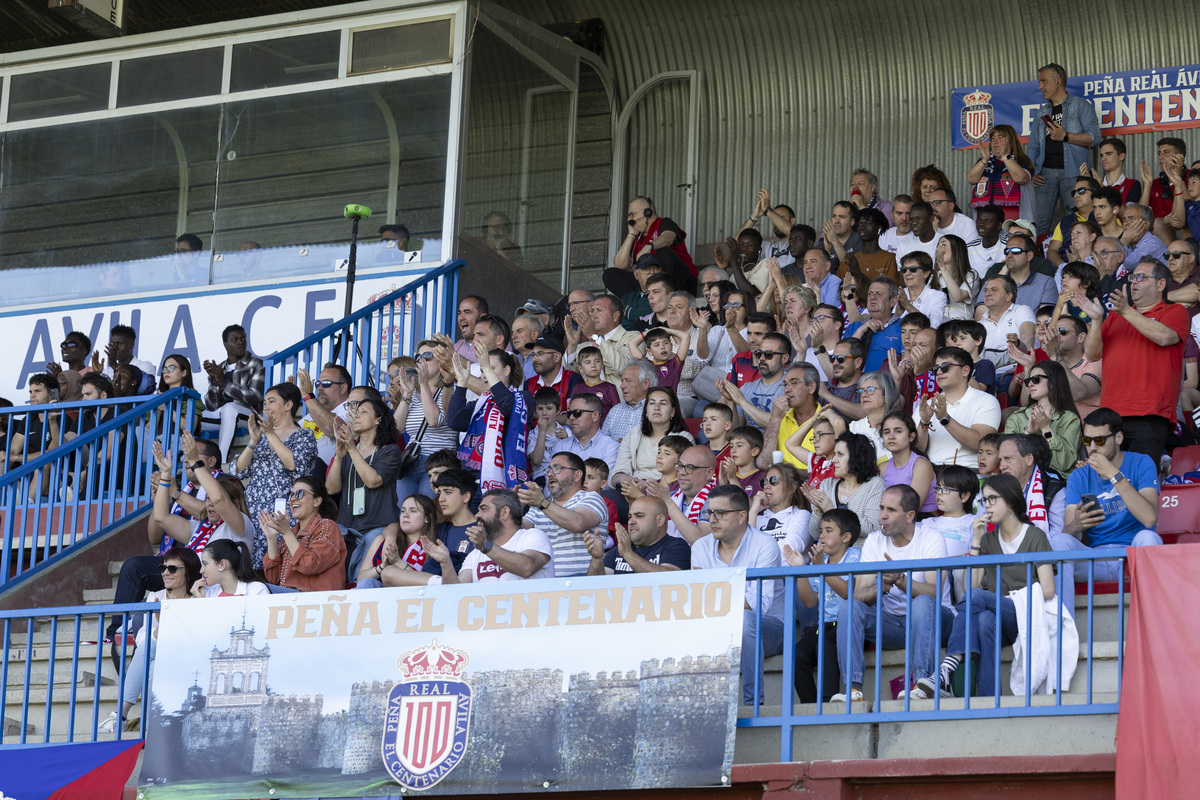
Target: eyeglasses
[(297, 494), (170, 569), (1173, 255), (1099, 441), (938, 202), (704, 287), (352, 405), (1034, 380), (822, 318), (1014, 251), (327, 384), (557, 468), (169, 368), (1138, 277), (766, 354), (422, 357), (1081, 190), (946, 490), (76, 344), (688, 469), (721, 513), (1109, 252), (989, 499), (819, 434), (868, 390), (771, 481), (576, 413), (942, 369), (731, 305)]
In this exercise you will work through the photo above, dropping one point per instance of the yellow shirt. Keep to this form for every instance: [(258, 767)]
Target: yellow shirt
[(787, 427)]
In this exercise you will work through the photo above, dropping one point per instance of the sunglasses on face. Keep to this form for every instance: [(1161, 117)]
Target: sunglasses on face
[(1081, 190), (840, 359), (576, 413), (1176, 255), (297, 494), (1014, 251), (944, 368), (766, 354), (327, 384), (1064, 331), (170, 569), (907, 270), (771, 481), (1099, 441), (423, 357), (1034, 380), (70, 345), (732, 305)]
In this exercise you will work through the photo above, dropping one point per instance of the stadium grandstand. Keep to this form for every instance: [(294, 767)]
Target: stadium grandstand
[(330, 321)]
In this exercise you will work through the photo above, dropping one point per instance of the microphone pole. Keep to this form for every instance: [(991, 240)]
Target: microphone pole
[(353, 212)]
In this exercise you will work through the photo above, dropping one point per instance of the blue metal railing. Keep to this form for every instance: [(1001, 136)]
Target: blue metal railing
[(63, 692), (368, 339), (89, 485), (824, 713)]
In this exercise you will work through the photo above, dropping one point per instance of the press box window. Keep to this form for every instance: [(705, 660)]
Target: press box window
[(175, 76), (400, 46), (57, 92), (284, 62)]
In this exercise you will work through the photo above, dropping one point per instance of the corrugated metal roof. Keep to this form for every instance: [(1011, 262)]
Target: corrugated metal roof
[(795, 96)]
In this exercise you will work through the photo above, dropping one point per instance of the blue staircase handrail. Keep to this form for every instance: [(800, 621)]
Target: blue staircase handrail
[(371, 321)]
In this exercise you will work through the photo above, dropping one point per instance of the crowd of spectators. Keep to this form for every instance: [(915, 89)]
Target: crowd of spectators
[(904, 379)]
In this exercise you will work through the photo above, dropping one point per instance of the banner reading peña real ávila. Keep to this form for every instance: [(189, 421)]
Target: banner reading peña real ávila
[(586, 684), (1136, 101)]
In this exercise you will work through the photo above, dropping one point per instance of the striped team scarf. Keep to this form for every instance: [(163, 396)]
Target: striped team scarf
[(1035, 499)]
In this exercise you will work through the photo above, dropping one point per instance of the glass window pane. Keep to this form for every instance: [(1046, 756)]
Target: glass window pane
[(400, 46), (58, 92), (283, 62), (157, 79), (291, 164)]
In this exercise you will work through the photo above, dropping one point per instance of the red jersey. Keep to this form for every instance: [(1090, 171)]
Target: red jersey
[(1141, 378), (658, 227)]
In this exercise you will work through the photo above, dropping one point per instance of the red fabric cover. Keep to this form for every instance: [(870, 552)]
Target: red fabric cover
[(1157, 726)]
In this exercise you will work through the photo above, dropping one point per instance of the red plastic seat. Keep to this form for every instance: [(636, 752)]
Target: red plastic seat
[(1185, 459), (693, 425), (1179, 509)]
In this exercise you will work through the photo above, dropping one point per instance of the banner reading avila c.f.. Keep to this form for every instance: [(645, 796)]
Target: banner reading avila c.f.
[(1136, 101), (586, 684)]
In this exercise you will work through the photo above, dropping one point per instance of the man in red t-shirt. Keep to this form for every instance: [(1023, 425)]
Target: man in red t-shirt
[(1158, 193), (647, 232), (1142, 346)]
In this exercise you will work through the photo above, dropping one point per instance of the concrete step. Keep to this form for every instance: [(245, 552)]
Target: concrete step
[(100, 597), (64, 666), (86, 697), (1011, 736)]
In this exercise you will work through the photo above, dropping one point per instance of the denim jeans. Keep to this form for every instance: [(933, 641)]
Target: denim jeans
[(1059, 185), (856, 625), (985, 606), (1103, 571), (769, 644)]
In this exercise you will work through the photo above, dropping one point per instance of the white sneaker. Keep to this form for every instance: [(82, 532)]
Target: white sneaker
[(856, 696), (109, 725)]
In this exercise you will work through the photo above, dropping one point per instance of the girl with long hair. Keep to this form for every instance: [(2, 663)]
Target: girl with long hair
[(960, 281), (899, 432), (1051, 410), (226, 571)]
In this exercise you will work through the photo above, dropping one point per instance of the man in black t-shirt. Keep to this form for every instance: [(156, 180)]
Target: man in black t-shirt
[(644, 547)]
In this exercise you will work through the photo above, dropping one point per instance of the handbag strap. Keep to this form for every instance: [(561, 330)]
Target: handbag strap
[(425, 419)]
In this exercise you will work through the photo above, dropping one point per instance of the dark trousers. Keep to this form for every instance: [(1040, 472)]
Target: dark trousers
[(621, 282), (139, 575), (807, 653), (1147, 435)]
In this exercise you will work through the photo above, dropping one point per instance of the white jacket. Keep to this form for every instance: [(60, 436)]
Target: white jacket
[(1043, 643)]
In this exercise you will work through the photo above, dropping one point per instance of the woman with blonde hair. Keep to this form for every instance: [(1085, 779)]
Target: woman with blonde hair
[(1001, 171)]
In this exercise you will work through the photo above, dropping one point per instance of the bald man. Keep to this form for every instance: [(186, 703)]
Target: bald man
[(688, 507), (644, 547)]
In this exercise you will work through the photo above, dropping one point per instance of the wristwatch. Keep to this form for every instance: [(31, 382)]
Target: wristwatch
[(944, 421), (544, 504), (1117, 477), (175, 495), (1048, 434), (487, 546), (197, 465), (307, 397), (820, 351)]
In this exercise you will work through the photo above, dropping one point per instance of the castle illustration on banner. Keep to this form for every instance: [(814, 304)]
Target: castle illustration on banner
[(514, 727)]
